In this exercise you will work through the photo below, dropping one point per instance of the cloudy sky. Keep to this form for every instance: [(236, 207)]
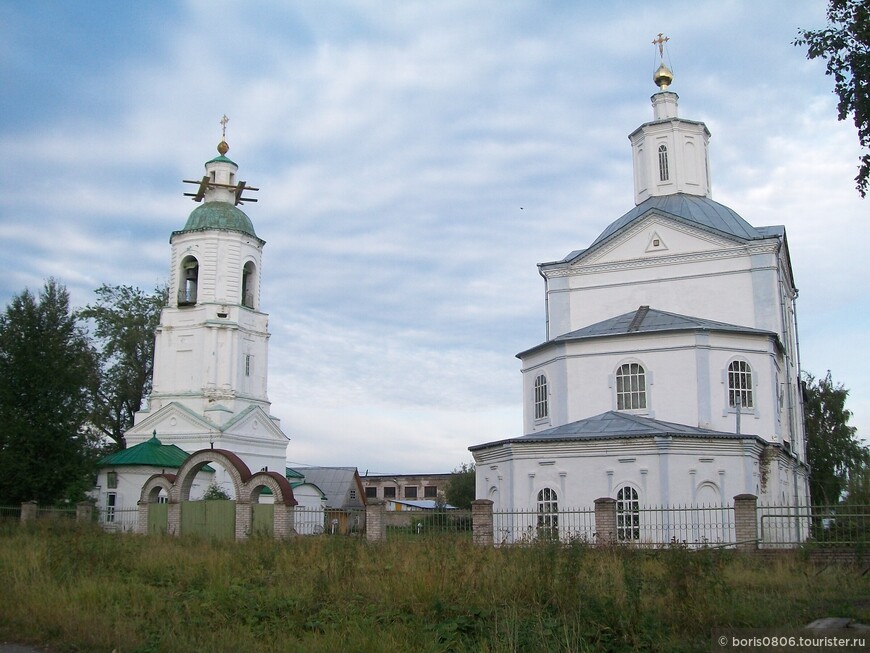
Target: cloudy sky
[(416, 159)]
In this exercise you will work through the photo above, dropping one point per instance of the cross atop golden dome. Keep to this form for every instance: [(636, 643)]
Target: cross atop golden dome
[(663, 77)]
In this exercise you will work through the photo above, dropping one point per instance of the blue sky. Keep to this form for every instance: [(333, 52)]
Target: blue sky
[(394, 144)]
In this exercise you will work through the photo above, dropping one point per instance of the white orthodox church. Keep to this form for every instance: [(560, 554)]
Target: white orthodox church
[(670, 373), (210, 360)]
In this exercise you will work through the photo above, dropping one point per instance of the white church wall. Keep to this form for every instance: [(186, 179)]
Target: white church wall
[(686, 376), (713, 285), (131, 478), (663, 473)]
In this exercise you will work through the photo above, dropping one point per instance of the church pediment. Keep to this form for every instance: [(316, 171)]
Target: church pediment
[(254, 423), (657, 236), (171, 421), (175, 423)]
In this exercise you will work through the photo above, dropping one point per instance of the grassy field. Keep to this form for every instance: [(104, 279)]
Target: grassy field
[(78, 589)]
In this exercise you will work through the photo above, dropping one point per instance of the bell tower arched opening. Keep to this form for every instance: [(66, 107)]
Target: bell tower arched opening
[(187, 287), (249, 275)]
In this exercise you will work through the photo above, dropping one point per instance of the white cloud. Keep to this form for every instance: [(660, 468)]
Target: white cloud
[(416, 160)]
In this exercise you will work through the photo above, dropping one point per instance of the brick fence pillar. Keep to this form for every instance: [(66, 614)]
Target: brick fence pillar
[(29, 510), (746, 522), (282, 526), (244, 518), (376, 521), (173, 518), (142, 518), (84, 511), (481, 522), (605, 521)]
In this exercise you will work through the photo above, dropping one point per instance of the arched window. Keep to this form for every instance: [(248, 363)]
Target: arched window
[(631, 387), (627, 514), (663, 163), (548, 513), (189, 281), (542, 407), (740, 385), (248, 284)]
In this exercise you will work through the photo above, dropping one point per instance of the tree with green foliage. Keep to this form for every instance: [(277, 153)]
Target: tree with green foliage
[(48, 377), (460, 487), (845, 44), (834, 452), (215, 493), (125, 319)]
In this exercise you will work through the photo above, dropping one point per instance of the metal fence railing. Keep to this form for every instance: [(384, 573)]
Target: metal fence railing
[(692, 526), (309, 521), (528, 526), (10, 513), (55, 513), (789, 526), (119, 520), (428, 523)]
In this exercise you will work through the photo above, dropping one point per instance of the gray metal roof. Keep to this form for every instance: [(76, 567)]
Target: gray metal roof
[(648, 320), (699, 211), (336, 484), (614, 425)]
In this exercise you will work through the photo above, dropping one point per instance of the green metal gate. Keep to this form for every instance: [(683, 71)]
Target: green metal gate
[(262, 519), (209, 518), (158, 517)]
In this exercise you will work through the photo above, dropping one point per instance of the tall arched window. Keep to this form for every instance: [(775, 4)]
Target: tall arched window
[(189, 280), (627, 514), (248, 284), (631, 387), (663, 163), (542, 407), (548, 513), (740, 385)]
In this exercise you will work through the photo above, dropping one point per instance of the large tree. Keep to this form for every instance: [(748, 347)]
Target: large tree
[(125, 319), (845, 44), (48, 376), (460, 487), (834, 452)]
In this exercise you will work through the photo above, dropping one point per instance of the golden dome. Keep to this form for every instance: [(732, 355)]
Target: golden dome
[(663, 77), (223, 148)]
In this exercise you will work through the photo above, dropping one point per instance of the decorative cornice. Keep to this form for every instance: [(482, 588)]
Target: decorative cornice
[(569, 270)]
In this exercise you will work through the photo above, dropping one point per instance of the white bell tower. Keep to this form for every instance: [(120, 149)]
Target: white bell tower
[(211, 342), (211, 348), (670, 153)]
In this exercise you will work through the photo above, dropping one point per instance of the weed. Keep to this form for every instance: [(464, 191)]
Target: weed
[(76, 589)]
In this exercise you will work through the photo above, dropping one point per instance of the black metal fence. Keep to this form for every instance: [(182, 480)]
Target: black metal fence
[(415, 524), (839, 525)]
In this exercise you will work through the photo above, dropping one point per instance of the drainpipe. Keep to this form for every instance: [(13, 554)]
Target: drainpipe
[(546, 302)]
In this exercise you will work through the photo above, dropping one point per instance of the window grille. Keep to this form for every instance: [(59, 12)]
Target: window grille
[(631, 387), (740, 385), (663, 163), (542, 408), (627, 514), (548, 512)]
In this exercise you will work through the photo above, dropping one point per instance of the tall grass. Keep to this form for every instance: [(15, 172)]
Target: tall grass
[(78, 589)]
